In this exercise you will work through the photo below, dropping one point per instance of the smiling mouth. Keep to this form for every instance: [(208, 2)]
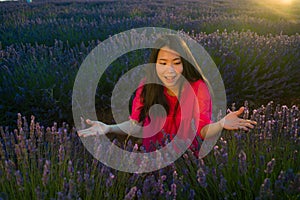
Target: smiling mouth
[(170, 78)]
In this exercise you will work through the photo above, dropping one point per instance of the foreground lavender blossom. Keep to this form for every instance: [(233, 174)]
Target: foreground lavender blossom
[(242, 162), (81, 176), (131, 194), (270, 166)]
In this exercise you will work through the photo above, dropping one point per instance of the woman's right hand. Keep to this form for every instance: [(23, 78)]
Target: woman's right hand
[(97, 128)]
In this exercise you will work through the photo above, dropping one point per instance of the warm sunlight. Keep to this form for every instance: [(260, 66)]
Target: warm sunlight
[(276, 2), (287, 2), (282, 8)]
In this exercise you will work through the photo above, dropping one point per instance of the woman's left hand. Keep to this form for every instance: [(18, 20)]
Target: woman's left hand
[(232, 122)]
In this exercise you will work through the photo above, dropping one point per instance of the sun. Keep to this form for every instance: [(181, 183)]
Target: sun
[(287, 2), (276, 2)]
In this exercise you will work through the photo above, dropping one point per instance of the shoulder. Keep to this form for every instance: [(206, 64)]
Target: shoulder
[(201, 89), (199, 84)]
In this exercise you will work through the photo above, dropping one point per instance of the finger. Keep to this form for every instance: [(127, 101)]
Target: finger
[(88, 135), (90, 122), (253, 122), (81, 132), (245, 128), (242, 128), (240, 111), (85, 131), (248, 125), (249, 122)]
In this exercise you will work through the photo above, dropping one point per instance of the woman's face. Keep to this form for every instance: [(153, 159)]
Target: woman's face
[(169, 68)]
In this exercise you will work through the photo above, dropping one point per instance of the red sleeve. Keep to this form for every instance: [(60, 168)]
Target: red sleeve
[(137, 104), (205, 106)]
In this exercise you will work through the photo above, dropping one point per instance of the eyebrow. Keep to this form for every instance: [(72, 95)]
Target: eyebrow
[(163, 59)]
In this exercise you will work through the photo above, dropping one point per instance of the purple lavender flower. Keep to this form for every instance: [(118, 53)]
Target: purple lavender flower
[(72, 192), (65, 186), (19, 121), (135, 148), (265, 190), (242, 165), (9, 167), (174, 190), (19, 178), (262, 160), (79, 179), (61, 154), (38, 193), (233, 108), (246, 110), (161, 184), (147, 186), (70, 167), (46, 173), (222, 185), (61, 196), (131, 194), (163, 177), (201, 178), (175, 176), (217, 154), (191, 194), (32, 126), (109, 180), (214, 173), (270, 166), (139, 194), (18, 152)]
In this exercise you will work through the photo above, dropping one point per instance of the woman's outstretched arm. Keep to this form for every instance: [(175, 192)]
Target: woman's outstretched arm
[(230, 122), (99, 128)]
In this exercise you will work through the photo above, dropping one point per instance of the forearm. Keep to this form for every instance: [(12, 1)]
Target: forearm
[(125, 128), (211, 130)]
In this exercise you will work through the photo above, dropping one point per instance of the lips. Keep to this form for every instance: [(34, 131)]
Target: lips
[(170, 78)]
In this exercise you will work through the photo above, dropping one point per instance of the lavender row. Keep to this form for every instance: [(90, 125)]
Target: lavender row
[(77, 21), (51, 163), (40, 78)]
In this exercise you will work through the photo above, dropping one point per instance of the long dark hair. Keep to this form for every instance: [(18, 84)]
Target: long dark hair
[(154, 93)]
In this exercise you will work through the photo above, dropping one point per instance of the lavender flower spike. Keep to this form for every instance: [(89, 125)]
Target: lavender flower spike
[(131, 194), (270, 166)]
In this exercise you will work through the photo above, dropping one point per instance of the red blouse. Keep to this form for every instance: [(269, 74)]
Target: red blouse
[(191, 111)]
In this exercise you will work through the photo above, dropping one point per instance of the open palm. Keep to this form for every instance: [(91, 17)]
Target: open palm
[(232, 121), (97, 128)]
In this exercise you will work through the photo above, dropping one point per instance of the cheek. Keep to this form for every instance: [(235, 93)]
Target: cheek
[(159, 69), (179, 69)]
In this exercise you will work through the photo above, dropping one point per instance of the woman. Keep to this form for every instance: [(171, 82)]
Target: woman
[(181, 88)]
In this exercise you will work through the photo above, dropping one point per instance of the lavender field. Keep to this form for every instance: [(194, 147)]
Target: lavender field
[(255, 45)]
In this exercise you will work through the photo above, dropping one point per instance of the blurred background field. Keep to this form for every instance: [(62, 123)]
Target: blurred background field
[(255, 45)]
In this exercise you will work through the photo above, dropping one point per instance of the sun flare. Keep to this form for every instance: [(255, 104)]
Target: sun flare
[(287, 2), (276, 2), (282, 8)]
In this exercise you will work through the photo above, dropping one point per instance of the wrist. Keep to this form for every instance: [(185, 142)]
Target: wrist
[(221, 123), (110, 129)]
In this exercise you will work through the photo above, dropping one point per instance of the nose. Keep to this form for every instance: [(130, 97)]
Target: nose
[(171, 68)]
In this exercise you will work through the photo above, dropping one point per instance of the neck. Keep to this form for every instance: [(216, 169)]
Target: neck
[(172, 92)]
